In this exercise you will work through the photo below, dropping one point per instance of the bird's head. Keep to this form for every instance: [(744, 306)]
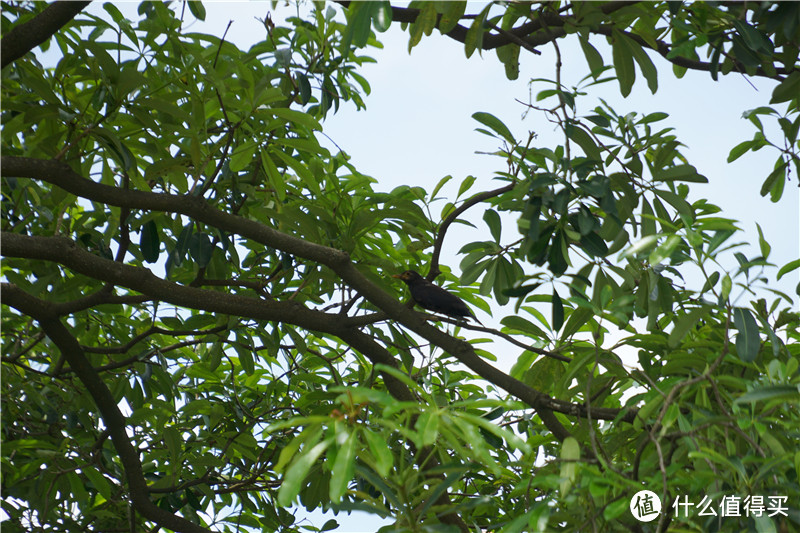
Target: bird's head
[(409, 276)]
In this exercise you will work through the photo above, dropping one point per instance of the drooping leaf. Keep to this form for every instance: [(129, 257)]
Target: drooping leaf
[(748, 340), (343, 467), (623, 63), (150, 242), (492, 219)]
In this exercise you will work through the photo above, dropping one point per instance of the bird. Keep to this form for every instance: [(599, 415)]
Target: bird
[(434, 298)]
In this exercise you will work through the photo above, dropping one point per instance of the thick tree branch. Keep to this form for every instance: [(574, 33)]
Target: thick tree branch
[(112, 417), (527, 35), (142, 280), (67, 253), (24, 37)]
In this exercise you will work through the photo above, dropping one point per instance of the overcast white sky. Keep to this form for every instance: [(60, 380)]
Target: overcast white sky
[(417, 127)]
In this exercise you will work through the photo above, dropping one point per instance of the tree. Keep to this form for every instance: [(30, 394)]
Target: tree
[(200, 328)]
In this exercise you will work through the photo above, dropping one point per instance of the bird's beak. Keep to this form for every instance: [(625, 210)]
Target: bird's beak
[(398, 276)]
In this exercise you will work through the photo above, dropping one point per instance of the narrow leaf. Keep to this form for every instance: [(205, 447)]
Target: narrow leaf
[(343, 467), (748, 340), (495, 124), (623, 63), (684, 324), (150, 242), (297, 472), (492, 220), (558, 311), (771, 392)]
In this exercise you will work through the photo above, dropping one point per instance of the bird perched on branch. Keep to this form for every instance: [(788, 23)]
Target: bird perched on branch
[(434, 298)]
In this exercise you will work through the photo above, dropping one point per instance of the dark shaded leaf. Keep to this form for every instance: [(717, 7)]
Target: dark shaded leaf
[(748, 339)]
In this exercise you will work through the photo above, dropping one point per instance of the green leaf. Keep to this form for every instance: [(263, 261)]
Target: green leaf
[(727, 285), (684, 323), (296, 117), (577, 320), (451, 13), (428, 427), (423, 24), (360, 22), (665, 249), (302, 170), (788, 267), (748, 340), (197, 9), (523, 325), (439, 186), (107, 64), (754, 39), (381, 452), (570, 455), (343, 467), (172, 439), (304, 88), (679, 173), (648, 218), (509, 56), (330, 525), (99, 481), (788, 89), (474, 38), (298, 470), (441, 487), (115, 13), (490, 428), (492, 220), (710, 282), (273, 175), (594, 245), (150, 242), (789, 393), (645, 64), (118, 151), (242, 156), (676, 201), (775, 178), (557, 308), (381, 15), (740, 149), (245, 359), (644, 244), (763, 245), (201, 249), (593, 57), (495, 124), (623, 62), (465, 185), (584, 140)]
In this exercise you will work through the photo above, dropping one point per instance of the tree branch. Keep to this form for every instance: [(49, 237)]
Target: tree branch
[(26, 36), (437, 245), (526, 36), (143, 280), (114, 421)]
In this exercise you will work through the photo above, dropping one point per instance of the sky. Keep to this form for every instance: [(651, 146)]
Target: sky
[(417, 128)]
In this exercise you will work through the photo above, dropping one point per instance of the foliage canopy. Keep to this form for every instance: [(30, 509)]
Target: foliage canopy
[(200, 328)]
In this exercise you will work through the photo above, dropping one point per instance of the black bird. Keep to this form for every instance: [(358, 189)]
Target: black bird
[(434, 298)]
